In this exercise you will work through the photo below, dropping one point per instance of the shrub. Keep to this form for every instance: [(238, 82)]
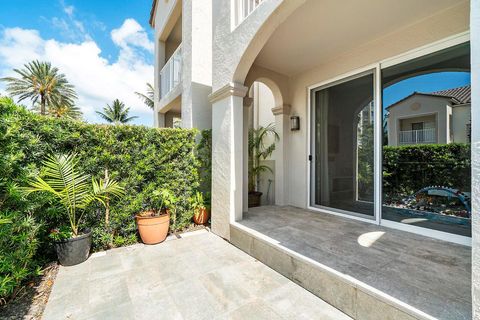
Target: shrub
[(142, 159), (407, 169), (18, 246), (204, 155)]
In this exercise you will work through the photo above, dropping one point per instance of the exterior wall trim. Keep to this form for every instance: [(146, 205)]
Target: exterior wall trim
[(230, 89), (283, 109)]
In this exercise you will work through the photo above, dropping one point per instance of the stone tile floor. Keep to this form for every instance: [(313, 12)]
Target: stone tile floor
[(431, 275), (199, 276)]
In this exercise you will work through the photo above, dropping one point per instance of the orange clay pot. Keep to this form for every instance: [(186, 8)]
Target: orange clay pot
[(153, 229), (201, 216)]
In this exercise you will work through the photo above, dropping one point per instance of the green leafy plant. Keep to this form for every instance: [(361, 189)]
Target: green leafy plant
[(259, 149), (199, 201), (18, 246), (71, 187), (204, 155), (158, 202), (62, 233)]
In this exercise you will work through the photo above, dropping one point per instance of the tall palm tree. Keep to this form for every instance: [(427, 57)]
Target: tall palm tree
[(116, 113), (42, 83), (148, 97)]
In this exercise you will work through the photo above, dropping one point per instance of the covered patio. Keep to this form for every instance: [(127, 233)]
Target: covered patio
[(418, 276)]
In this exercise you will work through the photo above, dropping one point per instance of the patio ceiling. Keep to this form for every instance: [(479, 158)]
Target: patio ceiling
[(320, 30)]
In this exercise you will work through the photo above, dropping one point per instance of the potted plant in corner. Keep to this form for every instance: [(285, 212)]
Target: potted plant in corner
[(201, 208), (261, 144), (75, 191), (154, 221)]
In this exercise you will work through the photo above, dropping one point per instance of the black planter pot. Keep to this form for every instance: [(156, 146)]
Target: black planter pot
[(74, 250), (254, 199)]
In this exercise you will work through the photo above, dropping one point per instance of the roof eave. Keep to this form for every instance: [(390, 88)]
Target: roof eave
[(151, 21)]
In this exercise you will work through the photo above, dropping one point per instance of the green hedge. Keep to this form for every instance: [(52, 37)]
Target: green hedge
[(142, 159), (407, 169)]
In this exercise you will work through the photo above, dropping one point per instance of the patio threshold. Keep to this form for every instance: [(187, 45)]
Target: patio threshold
[(364, 270)]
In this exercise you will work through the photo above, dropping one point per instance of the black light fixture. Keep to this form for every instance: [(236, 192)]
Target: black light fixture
[(294, 123)]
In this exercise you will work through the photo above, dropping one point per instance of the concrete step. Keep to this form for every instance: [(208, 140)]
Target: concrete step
[(349, 295)]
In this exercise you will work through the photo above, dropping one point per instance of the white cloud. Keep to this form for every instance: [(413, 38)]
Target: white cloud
[(97, 80), (131, 33)]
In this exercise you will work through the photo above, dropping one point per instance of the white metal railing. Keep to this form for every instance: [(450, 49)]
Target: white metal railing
[(243, 8), (171, 73), (417, 136)]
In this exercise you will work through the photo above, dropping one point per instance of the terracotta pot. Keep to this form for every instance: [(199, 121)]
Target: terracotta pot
[(153, 230), (201, 216), (254, 199)]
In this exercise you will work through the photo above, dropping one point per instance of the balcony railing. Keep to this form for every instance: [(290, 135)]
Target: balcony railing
[(417, 136), (171, 73), (243, 8)]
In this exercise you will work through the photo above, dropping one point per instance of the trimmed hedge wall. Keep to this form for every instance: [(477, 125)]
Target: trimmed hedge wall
[(407, 169), (142, 159)]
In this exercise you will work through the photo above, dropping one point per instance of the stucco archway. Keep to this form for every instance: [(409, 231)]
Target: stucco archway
[(280, 112)]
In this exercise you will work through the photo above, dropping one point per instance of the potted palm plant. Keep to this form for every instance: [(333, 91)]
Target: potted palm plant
[(154, 221), (201, 208), (261, 144), (75, 191)]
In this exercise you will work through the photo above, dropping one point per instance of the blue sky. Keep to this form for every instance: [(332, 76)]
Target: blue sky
[(426, 84), (104, 47)]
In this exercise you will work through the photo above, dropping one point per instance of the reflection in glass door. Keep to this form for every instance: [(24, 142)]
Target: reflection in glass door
[(342, 160)]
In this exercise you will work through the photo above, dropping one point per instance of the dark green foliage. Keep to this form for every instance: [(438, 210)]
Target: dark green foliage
[(142, 160), (18, 245), (407, 169), (204, 155)]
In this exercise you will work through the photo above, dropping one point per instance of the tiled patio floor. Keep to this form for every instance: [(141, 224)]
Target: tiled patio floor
[(197, 277), (430, 275)]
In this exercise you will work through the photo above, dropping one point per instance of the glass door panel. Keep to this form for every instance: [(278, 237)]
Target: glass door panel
[(342, 147)]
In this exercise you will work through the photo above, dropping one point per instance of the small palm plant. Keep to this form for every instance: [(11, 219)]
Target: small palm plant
[(74, 190), (116, 113), (259, 149)]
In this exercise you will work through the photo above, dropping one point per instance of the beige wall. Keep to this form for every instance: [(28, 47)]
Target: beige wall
[(262, 116), (413, 36), (461, 117)]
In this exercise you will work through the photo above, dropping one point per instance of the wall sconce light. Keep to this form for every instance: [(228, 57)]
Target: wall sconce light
[(294, 123)]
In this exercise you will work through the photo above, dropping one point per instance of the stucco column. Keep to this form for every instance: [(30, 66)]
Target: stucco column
[(247, 103), (160, 59), (227, 157), (475, 110), (159, 120), (282, 127)]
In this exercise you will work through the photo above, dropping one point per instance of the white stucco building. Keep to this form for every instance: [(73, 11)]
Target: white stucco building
[(326, 64)]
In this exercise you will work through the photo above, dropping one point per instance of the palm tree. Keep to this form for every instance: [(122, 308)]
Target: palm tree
[(148, 97), (40, 82), (116, 113), (260, 148)]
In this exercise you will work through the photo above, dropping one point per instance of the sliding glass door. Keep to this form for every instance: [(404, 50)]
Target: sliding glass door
[(342, 159), (403, 161)]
